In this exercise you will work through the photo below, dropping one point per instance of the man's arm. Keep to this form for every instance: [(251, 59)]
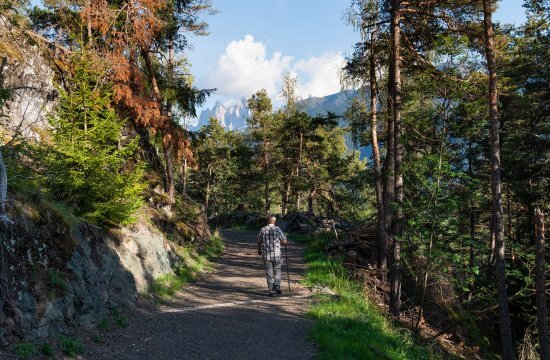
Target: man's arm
[(259, 242), (282, 236)]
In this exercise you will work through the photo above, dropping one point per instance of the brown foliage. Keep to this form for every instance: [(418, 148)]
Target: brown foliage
[(126, 32)]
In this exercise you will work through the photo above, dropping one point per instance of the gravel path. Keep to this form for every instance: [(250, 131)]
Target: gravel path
[(224, 315)]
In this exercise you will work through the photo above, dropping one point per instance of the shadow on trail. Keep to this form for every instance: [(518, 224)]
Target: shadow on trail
[(225, 314), (266, 331)]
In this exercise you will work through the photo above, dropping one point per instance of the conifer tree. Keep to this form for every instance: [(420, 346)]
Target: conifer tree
[(89, 163)]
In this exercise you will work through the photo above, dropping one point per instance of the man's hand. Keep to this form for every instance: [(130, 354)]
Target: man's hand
[(285, 241)]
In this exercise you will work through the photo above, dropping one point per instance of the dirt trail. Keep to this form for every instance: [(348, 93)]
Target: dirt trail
[(224, 315)]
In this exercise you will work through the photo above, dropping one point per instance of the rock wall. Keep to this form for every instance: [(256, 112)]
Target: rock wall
[(58, 272), (31, 77), (144, 252)]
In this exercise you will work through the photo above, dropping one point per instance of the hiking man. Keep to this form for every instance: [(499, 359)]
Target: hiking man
[(269, 247)]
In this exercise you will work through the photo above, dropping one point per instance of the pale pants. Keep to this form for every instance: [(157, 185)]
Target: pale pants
[(270, 267)]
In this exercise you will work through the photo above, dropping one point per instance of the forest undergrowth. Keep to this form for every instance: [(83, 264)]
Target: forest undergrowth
[(348, 325)]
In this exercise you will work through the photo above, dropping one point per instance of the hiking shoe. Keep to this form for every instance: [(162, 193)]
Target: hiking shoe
[(277, 289), (271, 293)]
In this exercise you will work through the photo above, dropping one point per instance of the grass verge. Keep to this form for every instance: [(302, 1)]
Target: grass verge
[(348, 326), (194, 261)]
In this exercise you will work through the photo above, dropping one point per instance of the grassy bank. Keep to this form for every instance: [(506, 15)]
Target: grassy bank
[(194, 261), (347, 325)]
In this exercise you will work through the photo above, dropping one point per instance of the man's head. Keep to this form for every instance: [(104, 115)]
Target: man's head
[(271, 219)]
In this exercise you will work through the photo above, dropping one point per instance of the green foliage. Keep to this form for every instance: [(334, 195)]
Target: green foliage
[(98, 339), (348, 325), (47, 350), (72, 347), (192, 262), (25, 350), (55, 279), (89, 165), (121, 321), (104, 323)]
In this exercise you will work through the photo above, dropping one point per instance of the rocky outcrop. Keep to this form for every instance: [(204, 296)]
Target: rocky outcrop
[(29, 75), (58, 272), (144, 252)]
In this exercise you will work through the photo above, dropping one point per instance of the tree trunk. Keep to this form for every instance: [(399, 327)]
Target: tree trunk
[(170, 181), (298, 166), (89, 22), (542, 310), (434, 217), (381, 231), (285, 195), (184, 174), (207, 197), (503, 312), (3, 185), (395, 294), (389, 186), (310, 200), (472, 228), (266, 181)]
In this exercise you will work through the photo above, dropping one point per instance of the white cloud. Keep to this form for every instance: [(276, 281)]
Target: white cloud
[(319, 76), (245, 68)]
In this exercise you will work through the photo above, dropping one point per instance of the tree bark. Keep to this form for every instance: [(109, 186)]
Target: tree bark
[(169, 168), (472, 228), (395, 294), (170, 181), (3, 185), (286, 195), (310, 200), (298, 167), (542, 309), (503, 312), (266, 181), (389, 185), (381, 230)]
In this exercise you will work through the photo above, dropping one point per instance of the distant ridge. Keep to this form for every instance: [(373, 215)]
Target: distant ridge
[(233, 117)]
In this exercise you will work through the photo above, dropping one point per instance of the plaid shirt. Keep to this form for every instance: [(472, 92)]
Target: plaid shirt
[(269, 239)]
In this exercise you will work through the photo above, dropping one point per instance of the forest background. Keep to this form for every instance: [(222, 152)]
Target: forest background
[(454, 109)]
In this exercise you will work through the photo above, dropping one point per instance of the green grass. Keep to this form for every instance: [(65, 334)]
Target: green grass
[(72, 347), (25, 350), (47, 350), (193, 263), (349, 326)]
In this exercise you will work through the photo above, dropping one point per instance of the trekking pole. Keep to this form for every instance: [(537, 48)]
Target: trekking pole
[(287, 272)]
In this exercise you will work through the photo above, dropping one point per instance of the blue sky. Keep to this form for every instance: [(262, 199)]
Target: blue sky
[(252, 42)]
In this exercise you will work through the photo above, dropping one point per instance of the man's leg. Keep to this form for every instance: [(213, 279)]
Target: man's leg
[(269, 274), (277, 282)]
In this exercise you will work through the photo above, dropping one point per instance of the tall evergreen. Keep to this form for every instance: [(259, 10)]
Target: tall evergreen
[(89, 160)]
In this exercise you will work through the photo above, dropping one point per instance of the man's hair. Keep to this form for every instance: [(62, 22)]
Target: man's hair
[(271, 219)]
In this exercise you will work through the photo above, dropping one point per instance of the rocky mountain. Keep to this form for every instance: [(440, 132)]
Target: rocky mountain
[(233, 117), (335, 103)]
